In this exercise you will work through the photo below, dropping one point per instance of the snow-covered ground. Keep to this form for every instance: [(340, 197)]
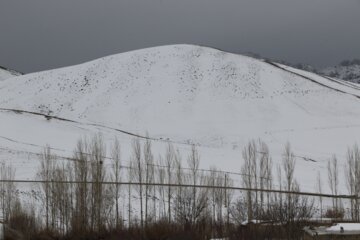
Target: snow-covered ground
[(185, 94), (345, 226), (349, 72), (5, 73)]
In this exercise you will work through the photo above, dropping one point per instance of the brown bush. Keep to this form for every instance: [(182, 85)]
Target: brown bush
[(334, 213)]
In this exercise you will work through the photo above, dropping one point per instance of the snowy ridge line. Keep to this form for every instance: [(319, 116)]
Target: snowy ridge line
[(312, 80), (190, 186), (345, 83), (17, 73)]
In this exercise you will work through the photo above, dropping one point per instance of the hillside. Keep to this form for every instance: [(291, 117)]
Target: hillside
[(185, 94), (347, 70), (7, 73)]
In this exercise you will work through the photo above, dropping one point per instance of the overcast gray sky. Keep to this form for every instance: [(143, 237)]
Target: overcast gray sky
[(42, 34)]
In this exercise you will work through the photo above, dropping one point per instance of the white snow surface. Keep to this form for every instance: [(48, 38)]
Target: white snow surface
[(6, 74), (346, 226), (350, 73), (186, 94)]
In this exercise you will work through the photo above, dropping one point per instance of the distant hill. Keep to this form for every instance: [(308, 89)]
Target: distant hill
[(348, 70)]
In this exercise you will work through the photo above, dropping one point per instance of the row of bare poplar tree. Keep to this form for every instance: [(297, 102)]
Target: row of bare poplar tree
[(94, 193), (352, 182)]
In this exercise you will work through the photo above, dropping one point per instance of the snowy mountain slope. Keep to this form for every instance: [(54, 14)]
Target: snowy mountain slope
[(348, 70), (186, 94), (7, 73), (332, 83)]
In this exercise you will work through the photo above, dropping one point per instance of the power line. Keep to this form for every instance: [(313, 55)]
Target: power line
[(155, 165), (189, 186)]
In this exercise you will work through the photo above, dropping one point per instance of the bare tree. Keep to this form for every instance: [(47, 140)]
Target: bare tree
[(169, 161), (238, 211), (256, 173), (294, 215), (192, 203), (138, 174), (179, 175), (116, 177), (352, 173), (249, 156), (130, 177), (149, 174), (81, 176), (193, 163), (98, 151), (212, 182), (333, 179), (8, 191), (61, 193), (289, 167), (220, 198), (70, 212), (265, 172), (161, 174), (45, 172), (228, 182), (319, 190)]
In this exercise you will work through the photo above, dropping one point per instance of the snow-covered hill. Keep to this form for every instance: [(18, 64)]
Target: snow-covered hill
[(185, 94), (7, 73), (348, 70)]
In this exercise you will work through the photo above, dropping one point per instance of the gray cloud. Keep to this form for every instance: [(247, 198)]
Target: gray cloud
[(43, 34)]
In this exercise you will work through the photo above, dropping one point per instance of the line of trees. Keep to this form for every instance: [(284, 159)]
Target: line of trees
[(88, 207)]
